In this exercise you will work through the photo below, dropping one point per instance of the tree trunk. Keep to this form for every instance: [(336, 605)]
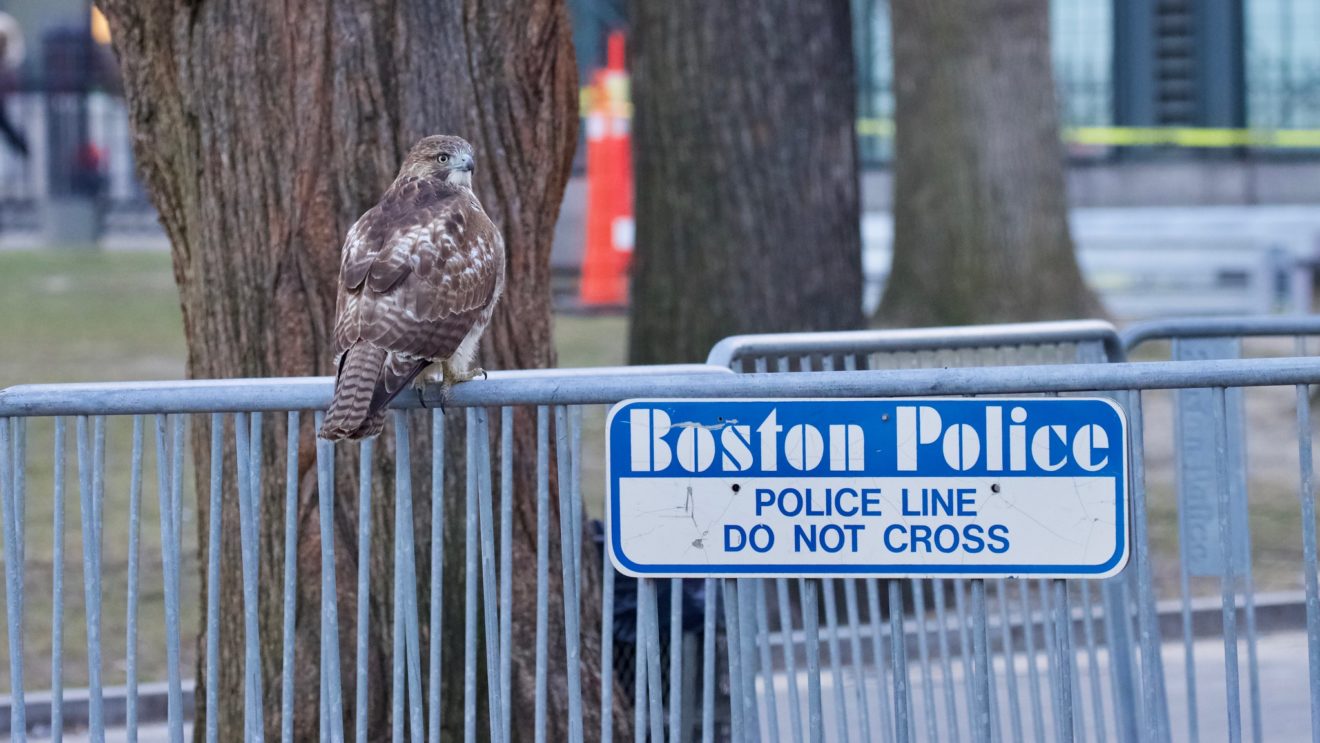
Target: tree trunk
[(980, 207), (746, 171), (262, 131)]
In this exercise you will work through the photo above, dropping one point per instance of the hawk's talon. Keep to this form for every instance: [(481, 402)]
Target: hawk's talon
[(421, 395)]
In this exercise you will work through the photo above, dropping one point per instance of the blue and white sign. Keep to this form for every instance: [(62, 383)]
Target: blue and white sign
[(970, 487)]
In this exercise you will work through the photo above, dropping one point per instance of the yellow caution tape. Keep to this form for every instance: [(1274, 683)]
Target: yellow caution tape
[(1124, 136), (1096, 136), (1170, 136)]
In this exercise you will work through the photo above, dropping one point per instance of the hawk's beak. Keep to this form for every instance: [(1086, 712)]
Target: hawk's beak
[(468, 164)]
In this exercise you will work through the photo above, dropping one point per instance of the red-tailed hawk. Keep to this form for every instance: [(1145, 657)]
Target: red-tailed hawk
[(420, 275)]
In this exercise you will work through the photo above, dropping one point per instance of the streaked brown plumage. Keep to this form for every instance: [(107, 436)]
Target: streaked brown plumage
[(419, 278)]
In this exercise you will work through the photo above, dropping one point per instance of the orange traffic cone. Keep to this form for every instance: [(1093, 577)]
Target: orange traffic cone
[(609, 186)]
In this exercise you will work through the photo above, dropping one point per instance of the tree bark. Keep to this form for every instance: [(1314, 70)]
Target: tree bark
[(262, 131), (747, 201), (980, 206)]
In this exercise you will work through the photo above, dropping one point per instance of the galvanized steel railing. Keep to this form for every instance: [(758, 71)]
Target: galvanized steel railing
[(879, 677), (1087, 341)]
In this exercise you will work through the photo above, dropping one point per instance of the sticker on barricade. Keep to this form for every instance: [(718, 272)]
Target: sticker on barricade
[(972, 487)]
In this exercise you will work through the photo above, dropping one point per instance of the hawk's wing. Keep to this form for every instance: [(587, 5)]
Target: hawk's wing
[(417, 272)]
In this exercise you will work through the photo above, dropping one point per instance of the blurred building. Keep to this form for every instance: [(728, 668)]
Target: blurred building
[(1138, 82), (1120, 66)]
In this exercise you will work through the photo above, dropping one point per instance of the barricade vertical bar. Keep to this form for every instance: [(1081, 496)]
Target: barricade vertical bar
[(898, 646), (1229, 592), (169, 559), (811, 628), (241, 483), (404, 541), (858, 665), (20, 503), (1092, 662), (322, 729), (981, 670), (649, 607), (365, 451), (506, 570), (676, 659), (836, 662), (57, 584), (291, 439), (1306, 498), (1185, 592), (1078, 705), (607, 650), (747, 646), (878, 658), (708, 664), (213, 526), (1033, 661), (575, 491), (767, 662), (964, 638), (257, 443), (1048, 627), (639, 671), (489, 587), (92, 575), (13, 582), (639, 676), (248, 548), (790, 656), (1118, 641), (567, 547), (1063, 650), (398, 645), (437, 572), (1249, 599), (543, 567), (131, 620), (1010, 665), (325, 479), (470, 585), (731, 632), (1152, 664), (919, 621), (946, 664), (98, 501), (98, 490), (181, 425)]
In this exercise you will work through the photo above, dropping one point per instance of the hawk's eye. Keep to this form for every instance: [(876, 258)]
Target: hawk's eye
[(444, 158)]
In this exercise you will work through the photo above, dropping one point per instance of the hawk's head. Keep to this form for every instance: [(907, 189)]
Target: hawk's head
[(441, 156)]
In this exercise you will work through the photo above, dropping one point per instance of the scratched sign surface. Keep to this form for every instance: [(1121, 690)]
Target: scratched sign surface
[(903, 487)]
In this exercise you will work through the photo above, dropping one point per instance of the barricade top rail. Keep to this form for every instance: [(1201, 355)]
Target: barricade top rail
[(611, 385), (1214, 327), (736, 347)]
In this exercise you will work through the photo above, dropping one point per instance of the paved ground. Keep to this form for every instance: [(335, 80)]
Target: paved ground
[(1285, 711), (146, 734)]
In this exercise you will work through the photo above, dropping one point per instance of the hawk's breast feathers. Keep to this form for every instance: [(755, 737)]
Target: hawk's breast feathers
[(420, 270)]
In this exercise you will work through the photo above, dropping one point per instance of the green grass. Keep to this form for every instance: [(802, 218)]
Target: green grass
[(81, 316), (70, 316)]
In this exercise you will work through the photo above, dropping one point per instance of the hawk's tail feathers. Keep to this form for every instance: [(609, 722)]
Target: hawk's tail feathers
[(352, 414)]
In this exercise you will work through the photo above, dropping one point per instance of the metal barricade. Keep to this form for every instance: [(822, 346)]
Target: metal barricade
[(1205, 460), (839, 696), (1023, 608)]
